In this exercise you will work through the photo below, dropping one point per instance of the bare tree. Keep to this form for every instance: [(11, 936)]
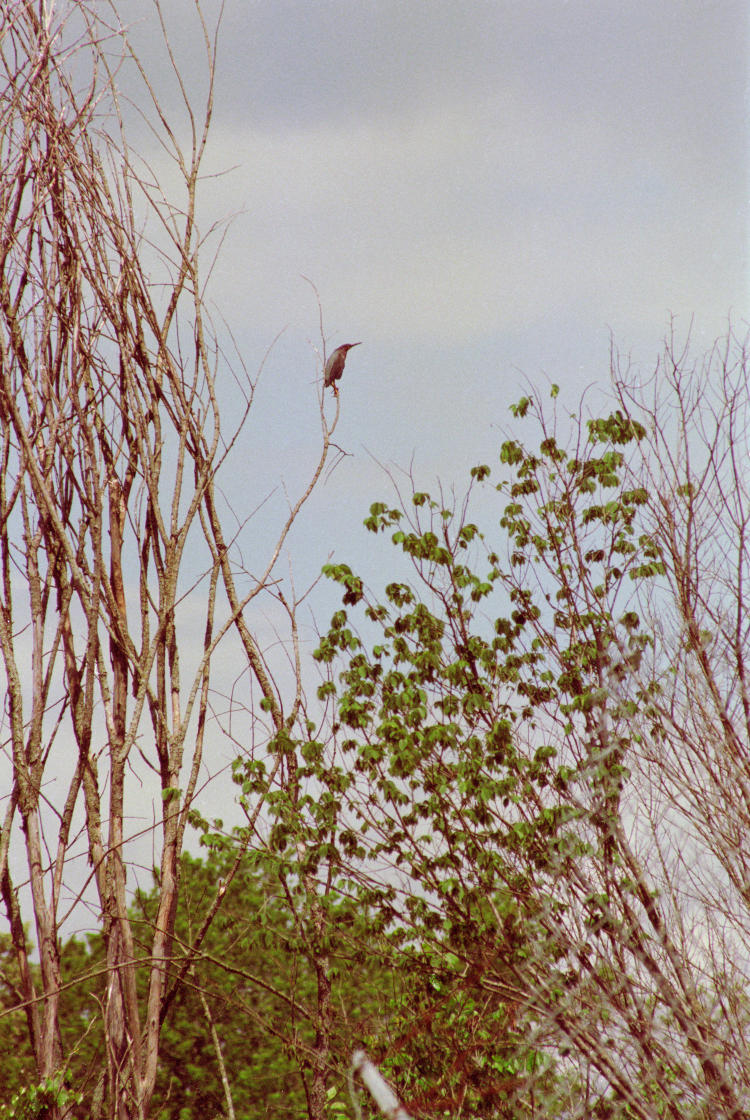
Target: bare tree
[(111, 524)]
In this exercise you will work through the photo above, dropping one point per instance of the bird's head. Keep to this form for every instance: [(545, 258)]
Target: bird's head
[(349, 346)]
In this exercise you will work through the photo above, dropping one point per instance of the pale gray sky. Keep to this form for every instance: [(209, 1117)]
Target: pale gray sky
[(480, 191)]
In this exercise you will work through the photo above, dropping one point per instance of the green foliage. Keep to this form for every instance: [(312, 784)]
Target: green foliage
[(490, 742), (257, 974), (36, 1102), (455, 1050), (17, 1067), (80, 1026)]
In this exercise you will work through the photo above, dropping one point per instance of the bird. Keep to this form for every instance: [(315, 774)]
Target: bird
[(335, 365)]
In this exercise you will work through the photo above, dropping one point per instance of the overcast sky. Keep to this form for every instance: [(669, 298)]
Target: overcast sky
[(459, 175), (481, 191)]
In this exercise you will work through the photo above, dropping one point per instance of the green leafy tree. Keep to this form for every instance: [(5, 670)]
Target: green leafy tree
[(17, 1068), (548, 731), (234, 1021), (241, 1017), (81, 1001), (240, 1021)]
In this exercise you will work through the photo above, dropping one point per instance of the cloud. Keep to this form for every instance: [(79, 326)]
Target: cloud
[(445, 172)]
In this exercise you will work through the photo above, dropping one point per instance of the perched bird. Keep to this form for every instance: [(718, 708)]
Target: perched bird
[(335, 365)]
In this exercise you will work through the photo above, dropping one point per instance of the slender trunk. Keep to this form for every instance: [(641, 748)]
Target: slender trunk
[(317, 1101)]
